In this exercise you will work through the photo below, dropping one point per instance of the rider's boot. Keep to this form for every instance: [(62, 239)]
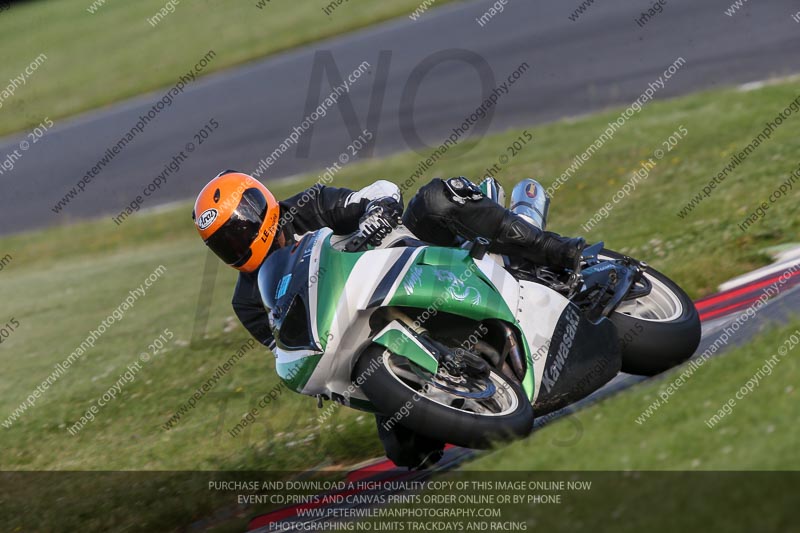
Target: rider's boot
[(517, 236)]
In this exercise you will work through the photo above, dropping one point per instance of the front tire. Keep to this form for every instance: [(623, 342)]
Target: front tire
[(395, 386), (658, 331)]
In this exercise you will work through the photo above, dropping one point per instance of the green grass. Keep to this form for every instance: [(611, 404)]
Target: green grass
[(63, 281), (96, 59)]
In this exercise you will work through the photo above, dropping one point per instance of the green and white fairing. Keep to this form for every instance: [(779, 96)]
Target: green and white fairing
[(321, 299)]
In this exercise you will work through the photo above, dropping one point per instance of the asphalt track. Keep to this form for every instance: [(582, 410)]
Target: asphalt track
[(716, 311), (604, 58)]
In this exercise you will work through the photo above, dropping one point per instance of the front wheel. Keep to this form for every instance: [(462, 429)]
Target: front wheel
[(657, 331), (461, 410)]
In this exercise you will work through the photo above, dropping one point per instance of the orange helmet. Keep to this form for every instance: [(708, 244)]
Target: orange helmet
[(237, 217)]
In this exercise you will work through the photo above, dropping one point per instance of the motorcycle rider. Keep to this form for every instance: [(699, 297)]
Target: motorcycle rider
[(240, 220)]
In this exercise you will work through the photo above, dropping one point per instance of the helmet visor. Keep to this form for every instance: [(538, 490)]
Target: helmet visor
[(231, 242)]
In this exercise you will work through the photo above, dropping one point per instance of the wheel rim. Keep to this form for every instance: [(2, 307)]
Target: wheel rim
[(503, 402), (661, 305)]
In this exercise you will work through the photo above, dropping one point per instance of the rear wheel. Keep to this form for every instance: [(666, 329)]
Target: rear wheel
[(458, 409), (657, 331)]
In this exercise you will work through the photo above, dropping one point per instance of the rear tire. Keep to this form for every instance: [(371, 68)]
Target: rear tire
[(657, 343), (393, 397)]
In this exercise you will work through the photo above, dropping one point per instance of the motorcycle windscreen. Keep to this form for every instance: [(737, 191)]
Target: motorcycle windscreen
[(283, 285)]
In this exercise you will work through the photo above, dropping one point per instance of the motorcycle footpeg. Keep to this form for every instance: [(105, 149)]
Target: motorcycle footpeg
[(575, 280)]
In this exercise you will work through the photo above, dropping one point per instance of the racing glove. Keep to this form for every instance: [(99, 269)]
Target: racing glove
[(379, 219)]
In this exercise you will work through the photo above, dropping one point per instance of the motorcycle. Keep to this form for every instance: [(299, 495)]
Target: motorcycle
[(462, 345)]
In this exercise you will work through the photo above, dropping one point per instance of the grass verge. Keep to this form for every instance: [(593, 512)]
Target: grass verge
[(97, 58)]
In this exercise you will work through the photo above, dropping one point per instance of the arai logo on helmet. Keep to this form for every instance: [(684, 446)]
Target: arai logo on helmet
[(206, 218)]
